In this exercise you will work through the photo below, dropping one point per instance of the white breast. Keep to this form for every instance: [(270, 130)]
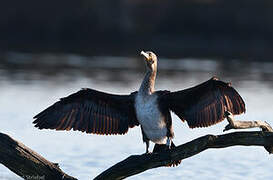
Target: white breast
[(151, 119)]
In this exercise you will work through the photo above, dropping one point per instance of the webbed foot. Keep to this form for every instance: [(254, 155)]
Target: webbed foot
[(164, 147)]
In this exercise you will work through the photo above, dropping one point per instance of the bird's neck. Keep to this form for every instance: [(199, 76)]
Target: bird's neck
[(148, 83)]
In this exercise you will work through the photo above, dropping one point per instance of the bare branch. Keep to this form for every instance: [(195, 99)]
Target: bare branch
[(138, 163), (26, 163), (233, 124)]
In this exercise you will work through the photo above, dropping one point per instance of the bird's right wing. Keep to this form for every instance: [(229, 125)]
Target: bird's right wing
[(90, 111)]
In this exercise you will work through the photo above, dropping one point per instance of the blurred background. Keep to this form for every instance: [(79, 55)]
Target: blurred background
[(50, 49), (187, 28)]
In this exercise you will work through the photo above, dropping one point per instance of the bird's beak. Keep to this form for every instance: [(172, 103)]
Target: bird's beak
[(145, 55)]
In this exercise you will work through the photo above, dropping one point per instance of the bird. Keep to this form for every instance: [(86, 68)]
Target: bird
[(102, 113)]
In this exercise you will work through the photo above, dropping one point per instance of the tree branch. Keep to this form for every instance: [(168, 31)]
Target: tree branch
[(138, 163), (233, 124), (26, 163)]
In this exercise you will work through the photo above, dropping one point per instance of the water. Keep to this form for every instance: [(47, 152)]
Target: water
[(27, 87)]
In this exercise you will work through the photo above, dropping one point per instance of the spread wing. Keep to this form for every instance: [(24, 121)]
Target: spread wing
[(204, 104), (90, 111)]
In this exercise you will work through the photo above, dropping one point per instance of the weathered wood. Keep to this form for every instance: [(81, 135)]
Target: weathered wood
[(233, 124), (138, 163), (26, 163)]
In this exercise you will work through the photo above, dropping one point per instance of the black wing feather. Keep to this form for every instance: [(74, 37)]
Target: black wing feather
[(90, 111), (204, 104)]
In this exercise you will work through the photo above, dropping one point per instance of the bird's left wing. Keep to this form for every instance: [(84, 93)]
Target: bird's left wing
[(90, 111), (204, 104)]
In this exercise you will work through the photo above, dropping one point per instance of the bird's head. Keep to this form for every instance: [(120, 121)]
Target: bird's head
[(150, 59)]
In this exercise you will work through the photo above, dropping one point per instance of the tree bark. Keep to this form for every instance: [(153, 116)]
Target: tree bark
[(26, 163)]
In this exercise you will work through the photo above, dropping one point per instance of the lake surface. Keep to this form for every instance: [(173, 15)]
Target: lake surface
[(29, 83)]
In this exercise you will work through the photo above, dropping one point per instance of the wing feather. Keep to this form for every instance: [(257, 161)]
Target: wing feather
[(204, 104), (90, 111)]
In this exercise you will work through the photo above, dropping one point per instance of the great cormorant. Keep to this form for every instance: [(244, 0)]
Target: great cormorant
[(98, 112)]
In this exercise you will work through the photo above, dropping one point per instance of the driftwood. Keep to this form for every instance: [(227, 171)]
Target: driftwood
[(138, 163), (233, 124), (28, 164)]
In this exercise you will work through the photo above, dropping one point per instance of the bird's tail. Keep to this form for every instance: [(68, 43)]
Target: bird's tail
[(161, 148)]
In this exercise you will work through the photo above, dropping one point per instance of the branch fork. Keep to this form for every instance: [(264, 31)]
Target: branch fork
[(234, 124)]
